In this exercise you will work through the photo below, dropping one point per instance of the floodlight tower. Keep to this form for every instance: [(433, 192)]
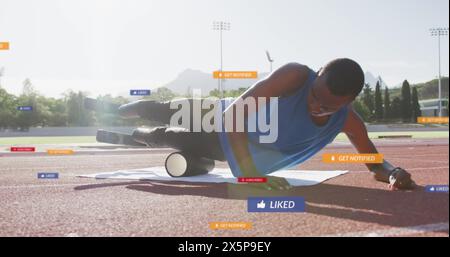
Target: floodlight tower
[(221, 26), (438, 32)]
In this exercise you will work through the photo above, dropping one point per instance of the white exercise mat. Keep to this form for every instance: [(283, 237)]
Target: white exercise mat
[(218, 175)]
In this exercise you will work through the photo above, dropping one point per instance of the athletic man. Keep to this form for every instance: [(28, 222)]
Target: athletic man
[(313, 108)]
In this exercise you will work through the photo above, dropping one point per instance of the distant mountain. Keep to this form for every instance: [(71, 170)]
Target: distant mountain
[(426, 90), (372, 80), (429, 90), (190, 79)]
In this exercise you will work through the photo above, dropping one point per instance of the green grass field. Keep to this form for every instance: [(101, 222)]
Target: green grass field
[(414, 134), (46, 140), (91, 139)]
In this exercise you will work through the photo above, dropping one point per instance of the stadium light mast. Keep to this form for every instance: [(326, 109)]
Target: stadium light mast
[(269, 59), (221, 26), (438, 32)]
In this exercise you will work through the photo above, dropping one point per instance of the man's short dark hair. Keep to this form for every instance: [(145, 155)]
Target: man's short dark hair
[(344, 77)]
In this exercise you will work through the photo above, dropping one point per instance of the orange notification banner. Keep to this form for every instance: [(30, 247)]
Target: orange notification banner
[(432, 120), (235, 74), (230, 225), (352, 158), (60, 151), (4, 45)]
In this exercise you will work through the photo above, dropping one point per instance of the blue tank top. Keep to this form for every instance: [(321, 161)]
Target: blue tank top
[(299, 138)]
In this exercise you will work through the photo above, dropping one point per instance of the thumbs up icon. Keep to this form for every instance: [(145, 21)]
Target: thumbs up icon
[(261, 205)]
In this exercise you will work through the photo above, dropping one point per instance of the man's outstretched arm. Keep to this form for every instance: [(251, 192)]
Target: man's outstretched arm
[(356, 131)]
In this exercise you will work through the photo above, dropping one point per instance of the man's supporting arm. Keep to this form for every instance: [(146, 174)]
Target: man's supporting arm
[(356, 131)]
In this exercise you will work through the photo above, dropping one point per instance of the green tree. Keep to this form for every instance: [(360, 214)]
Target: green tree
[(162, 94), (368, 100), (396, 108), (387, 104), (228, 93), (57, 113), (25, 119), (214, 93), (108, 117), (7, 109), (416, 112), (406, 102), (361, 109), (378, 103), (29, 97), (77, 115)]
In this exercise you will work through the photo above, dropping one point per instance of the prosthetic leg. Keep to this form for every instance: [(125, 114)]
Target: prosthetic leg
[(177, 164), (183, 163)]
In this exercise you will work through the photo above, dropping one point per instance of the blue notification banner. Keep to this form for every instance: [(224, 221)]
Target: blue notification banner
[(135, 92), (25, 108), (48, 175), (436, 188), (276, 204)]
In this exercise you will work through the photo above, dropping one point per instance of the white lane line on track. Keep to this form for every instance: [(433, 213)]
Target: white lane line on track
[(424, 169), (409, 159), (63, 185), (66, 168), (38, 186), (397, 231), (419, 155), (350, 171)]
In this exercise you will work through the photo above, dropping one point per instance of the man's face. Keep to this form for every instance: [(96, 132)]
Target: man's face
[(321, 102)]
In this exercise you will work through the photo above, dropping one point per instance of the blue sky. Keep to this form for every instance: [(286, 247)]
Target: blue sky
[(105, 45)]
